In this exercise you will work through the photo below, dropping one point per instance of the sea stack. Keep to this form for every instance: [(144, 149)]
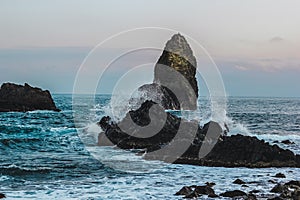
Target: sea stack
[(175, 85), (19, 98)]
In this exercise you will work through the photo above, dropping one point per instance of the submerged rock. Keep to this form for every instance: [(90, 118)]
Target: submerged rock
[(175, 85), (279, 175), (239, 181), (234, 193), (195, 191), (151, 134), (24, 98), (287, 142), (289, 190), (2, 196)]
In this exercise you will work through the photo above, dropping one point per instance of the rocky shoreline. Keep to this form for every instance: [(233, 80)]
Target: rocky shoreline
[(289, 190)]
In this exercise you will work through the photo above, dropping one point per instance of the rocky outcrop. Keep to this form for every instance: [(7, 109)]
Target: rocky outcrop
[(20, 98), (150, 132), (289, 190), (175, 85), (195, 191), (246, 151)]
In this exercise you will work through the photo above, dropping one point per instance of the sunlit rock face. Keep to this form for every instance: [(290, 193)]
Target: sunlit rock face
[(175, 85)]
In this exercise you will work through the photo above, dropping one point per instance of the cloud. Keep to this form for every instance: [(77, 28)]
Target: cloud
[(276, 39), (240, 67), (263, 64)]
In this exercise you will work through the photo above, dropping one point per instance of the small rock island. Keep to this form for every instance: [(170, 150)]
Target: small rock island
[(19, 98), (217, 149)]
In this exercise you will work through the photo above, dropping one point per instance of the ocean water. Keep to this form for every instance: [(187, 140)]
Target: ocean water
[(43, 157)]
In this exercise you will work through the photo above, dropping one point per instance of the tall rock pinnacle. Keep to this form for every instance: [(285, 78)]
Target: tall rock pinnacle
[(178, 55), (175, 85)]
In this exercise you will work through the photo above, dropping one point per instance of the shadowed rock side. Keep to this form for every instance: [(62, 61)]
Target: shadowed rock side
[(24, 98), (174, 73), (230, 151)]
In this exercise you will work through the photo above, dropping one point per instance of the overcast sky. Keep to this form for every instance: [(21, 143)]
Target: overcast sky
[(254, 43)]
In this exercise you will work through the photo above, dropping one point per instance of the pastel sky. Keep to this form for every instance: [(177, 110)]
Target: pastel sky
[(255, 43)]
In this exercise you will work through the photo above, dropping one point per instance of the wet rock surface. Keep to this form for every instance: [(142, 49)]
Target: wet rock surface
[(289, 190), (150, 134), (175, 85), (19, 98)]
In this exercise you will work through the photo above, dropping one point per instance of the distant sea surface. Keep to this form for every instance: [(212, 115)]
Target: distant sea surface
[(42, 156)]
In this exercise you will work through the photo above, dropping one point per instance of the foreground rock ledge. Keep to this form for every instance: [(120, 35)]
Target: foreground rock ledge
[(19, 98), (230, 151)]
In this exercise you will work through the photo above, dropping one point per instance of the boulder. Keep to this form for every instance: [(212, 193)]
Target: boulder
[(234, 193), (19, 98), (279, 175), (205, 190), (239, 181), (195, 191), (186, 190), (289, 190), (278, 188), (287, 142)]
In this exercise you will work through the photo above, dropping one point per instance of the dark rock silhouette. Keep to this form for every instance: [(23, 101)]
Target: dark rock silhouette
[(20, 98), (175, 85), (239, 181), (279, 175), (287, 142), (230, 151), (289, 190), (195, 191), (234, 193), (186, 190), (2, 196)]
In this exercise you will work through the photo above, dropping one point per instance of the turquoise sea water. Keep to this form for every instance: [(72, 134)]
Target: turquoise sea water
[(42, 156)]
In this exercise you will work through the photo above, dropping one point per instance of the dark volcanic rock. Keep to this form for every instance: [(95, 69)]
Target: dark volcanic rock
[(279, 175), (175, 85), (141, 118), (210, 184), (206, 190), (246, 151), (24, 98), (278, 188), (239, 181), (192, 195), (186, 190), (196, 191), (231, 151), (160, 94), (234, 193), (287, 142), (289, 190), (2, 196)]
